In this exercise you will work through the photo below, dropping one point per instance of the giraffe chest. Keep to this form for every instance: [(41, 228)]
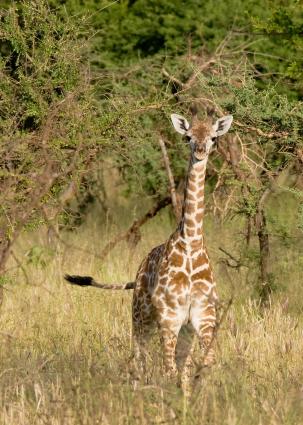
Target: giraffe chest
[(183, 277)]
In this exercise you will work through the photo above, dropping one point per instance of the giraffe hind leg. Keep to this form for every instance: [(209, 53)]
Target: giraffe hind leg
[(142, 331), (140, 346)]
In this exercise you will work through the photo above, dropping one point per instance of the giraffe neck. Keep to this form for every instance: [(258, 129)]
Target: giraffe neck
[(191, 227)]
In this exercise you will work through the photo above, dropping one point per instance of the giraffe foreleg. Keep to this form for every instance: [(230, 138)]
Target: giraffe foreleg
[(206, 341), (204, 322), (188, 367), (169, 341)]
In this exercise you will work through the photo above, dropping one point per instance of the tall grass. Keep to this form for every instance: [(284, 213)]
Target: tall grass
[(65, 351)]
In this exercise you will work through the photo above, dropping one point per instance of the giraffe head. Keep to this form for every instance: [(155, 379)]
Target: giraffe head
[(202, 135)]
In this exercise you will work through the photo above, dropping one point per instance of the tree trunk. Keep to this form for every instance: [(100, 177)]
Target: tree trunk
[(265, 279)]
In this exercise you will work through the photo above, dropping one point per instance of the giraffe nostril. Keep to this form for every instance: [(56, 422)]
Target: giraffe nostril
[(200, 149)]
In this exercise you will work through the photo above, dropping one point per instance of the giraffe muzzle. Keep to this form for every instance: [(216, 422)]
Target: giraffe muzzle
[(200, 153)]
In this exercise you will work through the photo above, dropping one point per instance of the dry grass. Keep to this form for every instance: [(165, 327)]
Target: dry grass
[(65, 351)]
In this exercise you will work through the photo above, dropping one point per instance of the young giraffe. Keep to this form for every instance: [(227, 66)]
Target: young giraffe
[(174, 285)]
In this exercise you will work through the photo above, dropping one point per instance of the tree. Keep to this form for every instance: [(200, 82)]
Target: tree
[(48, 116)]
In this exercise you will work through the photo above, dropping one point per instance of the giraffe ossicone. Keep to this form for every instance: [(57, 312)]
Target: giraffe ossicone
[(175, 285)]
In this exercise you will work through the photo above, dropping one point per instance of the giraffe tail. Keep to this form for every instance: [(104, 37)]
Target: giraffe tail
[(89, 281)]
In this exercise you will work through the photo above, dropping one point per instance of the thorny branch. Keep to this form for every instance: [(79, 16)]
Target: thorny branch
[(27, 188)]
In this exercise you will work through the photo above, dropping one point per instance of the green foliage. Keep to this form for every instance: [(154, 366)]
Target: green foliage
[(47, 70), (268, 32), (48, 115), (234, 91), (38, 65), (132, 29), (141, 55), (284, 28)]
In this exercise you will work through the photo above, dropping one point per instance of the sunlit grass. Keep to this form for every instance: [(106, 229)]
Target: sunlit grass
[(66, 351)]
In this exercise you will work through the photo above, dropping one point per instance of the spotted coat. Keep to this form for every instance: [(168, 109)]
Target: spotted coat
[(175, 285)]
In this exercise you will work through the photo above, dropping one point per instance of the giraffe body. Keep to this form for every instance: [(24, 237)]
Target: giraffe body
[(175, 285), (172, 287)]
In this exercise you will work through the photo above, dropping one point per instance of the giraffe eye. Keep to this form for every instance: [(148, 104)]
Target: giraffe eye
[(188, 138)]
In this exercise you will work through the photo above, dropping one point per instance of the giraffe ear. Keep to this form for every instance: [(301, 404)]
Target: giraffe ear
[(223, 125), (180, 123)]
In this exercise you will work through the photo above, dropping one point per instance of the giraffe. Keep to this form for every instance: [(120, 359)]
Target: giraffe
[(175, 285)]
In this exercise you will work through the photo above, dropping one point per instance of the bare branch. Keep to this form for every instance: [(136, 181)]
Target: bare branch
[(172, 186), (172, 78), (135, 226), (271, 135)]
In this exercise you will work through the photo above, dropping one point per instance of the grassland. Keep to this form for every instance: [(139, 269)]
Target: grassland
[(65, 352)]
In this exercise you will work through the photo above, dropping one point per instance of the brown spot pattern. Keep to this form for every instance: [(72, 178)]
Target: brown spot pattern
[(176, 259), (190, 207), (190, 223), (199, 261), (204, 274), (190, 232), (199, 217), (166, 275)]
